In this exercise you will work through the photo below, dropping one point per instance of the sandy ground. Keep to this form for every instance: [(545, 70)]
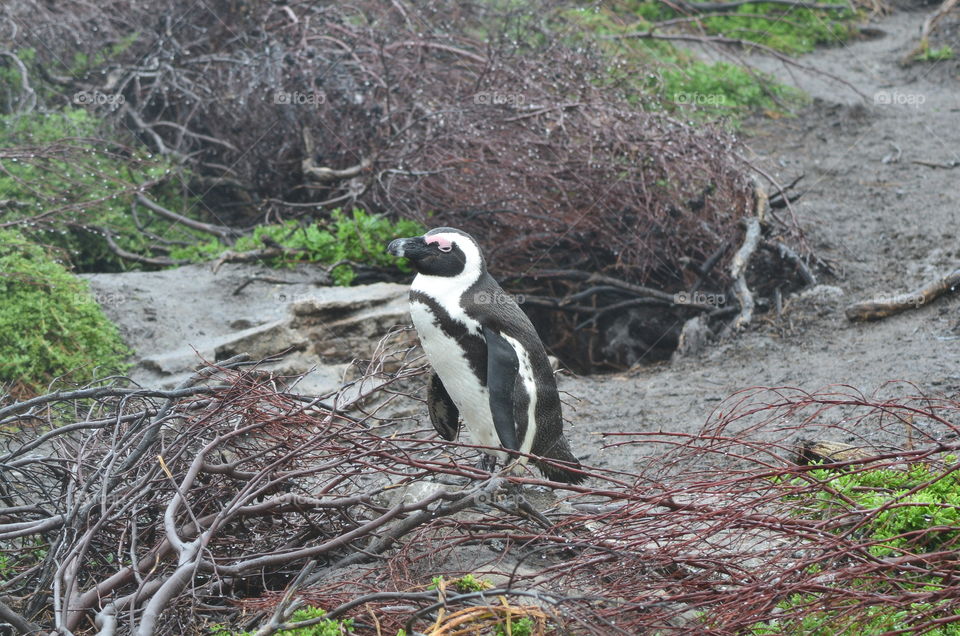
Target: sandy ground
[(888, 225)]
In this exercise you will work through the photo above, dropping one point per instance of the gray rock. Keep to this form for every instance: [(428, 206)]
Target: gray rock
[(176, 319)]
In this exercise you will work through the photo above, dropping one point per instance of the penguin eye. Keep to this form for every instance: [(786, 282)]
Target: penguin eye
[(444, 248)]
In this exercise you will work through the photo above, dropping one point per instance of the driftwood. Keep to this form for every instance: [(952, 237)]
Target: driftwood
[(942, 165), (738, 269), (889, 306), (826, 452)]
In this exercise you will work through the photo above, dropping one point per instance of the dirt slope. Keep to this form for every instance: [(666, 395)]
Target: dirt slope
[(886, 223)]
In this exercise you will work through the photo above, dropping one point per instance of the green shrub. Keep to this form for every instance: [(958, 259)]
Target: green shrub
[(465, 584), (76, 183), (663, 76), (50, 324), (788, 29), (902, 518), (722, 88), (326, 627), (899, 524), (360, 238), (520, 627), (945, 52)]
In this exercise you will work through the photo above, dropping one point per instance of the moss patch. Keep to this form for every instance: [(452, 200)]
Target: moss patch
[(50, 324)]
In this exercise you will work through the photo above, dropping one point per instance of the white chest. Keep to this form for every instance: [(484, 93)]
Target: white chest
[(449, 360)]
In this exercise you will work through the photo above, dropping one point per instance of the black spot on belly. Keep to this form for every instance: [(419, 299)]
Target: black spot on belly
[(473, 345)]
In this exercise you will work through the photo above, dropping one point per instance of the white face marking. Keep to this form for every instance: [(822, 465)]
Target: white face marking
[(472, 267), (447, 290)]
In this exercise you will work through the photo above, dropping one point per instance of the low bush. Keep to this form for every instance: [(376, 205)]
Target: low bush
[(50, 324)]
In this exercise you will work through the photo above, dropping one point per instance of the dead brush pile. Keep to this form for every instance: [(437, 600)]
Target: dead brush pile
[(617, 224), (228, 502)]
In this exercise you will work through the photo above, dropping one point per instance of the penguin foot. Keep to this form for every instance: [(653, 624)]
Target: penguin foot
[(526, 508), (520, 507)]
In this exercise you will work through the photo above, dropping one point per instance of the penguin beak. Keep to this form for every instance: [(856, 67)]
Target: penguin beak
[(406, 247)]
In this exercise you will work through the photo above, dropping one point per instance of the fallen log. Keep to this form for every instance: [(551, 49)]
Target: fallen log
[(881, 308)]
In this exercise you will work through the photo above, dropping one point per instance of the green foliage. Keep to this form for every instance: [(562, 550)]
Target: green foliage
[(326, 627), (470, 583), (675, 77), (359, 238), (21, 554), (465, 584), (721, 88), (788, 29), (50, 324), (901, 520), (81, 185), (945, 52), (876, 619), (903, 507), (83, 63), (520, 627)]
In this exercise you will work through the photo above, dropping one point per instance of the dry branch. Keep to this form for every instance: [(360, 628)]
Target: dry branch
[(827, 452), (264, 502), (738, 269), (794, 259), (929, 24), (225, 233), (320, 173), (890, 305), (28, 99)]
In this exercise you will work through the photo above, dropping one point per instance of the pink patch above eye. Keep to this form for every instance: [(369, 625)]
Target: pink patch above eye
[(444, 244)]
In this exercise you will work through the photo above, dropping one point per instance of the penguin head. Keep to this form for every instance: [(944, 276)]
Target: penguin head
[(443, 251)]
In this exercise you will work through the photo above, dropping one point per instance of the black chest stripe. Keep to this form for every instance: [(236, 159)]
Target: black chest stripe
[(473, 345)]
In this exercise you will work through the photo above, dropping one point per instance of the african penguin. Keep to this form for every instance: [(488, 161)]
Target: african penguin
[(490, 367)]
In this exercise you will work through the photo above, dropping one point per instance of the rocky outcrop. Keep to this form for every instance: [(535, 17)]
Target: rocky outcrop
[(176, 319)]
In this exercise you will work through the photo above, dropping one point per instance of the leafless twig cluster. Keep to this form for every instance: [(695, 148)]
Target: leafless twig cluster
[(226, 500)]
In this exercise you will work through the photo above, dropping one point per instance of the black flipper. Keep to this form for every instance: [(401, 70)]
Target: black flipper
[(443, 412), (502, 368)]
